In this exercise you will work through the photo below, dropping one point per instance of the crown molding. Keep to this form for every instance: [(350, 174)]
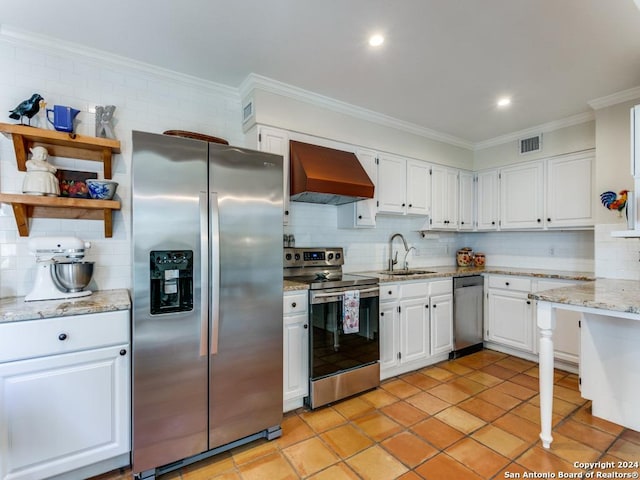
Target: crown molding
[(615, 98), (55, 46), (545, 127), (255, 81)]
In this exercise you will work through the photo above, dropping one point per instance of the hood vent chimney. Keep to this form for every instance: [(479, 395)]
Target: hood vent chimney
[(324, 175)]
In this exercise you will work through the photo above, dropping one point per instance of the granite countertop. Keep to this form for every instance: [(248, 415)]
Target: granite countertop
[(15, 309), (455, 271), (603, 293), (290, 285)]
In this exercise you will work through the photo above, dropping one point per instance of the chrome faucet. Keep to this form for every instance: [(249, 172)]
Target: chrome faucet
[(394, 260)]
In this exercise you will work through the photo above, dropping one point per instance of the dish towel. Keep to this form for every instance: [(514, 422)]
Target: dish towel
[(351, 311)]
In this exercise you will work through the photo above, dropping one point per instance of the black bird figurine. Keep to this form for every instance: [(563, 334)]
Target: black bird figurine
[(28, 108)]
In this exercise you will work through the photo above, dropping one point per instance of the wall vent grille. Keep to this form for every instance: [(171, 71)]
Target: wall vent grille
[(530, 144)]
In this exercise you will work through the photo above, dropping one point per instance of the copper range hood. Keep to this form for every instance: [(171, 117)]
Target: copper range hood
[(324, 175)]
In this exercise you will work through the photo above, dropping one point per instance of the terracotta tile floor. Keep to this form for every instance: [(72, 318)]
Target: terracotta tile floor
[(471, 418)]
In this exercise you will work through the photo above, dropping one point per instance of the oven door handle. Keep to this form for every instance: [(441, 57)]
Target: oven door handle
[(333, 294)]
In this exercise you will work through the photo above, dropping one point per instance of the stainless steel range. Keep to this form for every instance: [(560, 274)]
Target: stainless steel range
[(343, 314)]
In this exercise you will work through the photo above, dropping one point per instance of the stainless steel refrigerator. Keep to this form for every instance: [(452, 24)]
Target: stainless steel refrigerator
[(207, 299)]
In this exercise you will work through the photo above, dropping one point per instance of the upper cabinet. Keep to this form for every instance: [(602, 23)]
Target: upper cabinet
[(274, 140), (362, 214), (488, 199), (521, 196), (444, 198), (404, 185), (570, 191), (418, 187), (467, 183), (392, 184)]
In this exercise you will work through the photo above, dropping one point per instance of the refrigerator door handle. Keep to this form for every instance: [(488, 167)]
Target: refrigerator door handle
[(215, 272), (203, 204)]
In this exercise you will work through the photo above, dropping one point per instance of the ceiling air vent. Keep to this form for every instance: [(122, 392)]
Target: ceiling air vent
[(531, 144)]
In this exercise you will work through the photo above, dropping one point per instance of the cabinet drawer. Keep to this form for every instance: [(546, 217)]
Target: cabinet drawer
[(295, 303), (414, 290), (52, 336), (441, 287), (507, 282), (388, 292)]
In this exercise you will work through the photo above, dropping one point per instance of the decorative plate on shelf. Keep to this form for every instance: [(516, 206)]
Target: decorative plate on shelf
[(73, 183)]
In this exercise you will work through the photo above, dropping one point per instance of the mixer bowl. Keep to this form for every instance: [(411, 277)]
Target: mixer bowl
[(72, 276)]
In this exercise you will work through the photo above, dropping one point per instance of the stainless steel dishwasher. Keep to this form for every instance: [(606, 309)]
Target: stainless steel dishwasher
[(467, 315)]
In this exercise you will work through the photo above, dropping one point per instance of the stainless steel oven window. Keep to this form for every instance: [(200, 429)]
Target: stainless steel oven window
[(333, 351)]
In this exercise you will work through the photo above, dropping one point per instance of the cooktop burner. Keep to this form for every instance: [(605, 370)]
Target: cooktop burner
[(320, 268)]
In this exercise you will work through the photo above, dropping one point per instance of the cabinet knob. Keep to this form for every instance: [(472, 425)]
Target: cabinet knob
[(493, 223), (403, 204), (549, 220), (426, 306), (382, 314), (359, 217), (293, 305), (528, 302), (305, 326), (462, 223), (410, 205), (123, 352), (506, 283), (286, 212), (434, 306), (62, 337), (539, 220)]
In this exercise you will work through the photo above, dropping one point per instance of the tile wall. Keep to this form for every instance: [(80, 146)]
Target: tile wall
[(146, 98)]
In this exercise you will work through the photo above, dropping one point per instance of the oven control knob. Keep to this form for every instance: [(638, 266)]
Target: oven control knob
[(330, 256), (288, 256), (297, 256), (338, 256)]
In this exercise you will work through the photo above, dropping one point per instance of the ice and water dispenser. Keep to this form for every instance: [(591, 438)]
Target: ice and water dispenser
[(171, 278)]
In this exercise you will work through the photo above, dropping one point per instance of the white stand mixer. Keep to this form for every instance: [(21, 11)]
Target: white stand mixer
[(48, 285)]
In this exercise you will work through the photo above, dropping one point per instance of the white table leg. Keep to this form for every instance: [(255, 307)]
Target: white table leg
[(546, 320)]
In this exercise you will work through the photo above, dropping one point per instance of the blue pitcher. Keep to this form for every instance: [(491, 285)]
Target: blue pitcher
[(62, 117)]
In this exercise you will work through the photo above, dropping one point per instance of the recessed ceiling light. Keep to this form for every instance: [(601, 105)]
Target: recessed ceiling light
[(504, 102), (376, 40)]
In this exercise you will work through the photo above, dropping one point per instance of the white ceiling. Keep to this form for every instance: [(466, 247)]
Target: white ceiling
[(442, 67)]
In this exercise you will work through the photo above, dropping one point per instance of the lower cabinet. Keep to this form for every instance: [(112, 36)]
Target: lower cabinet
[(415, 325), (295, 349), (510, 319), (66, 408)]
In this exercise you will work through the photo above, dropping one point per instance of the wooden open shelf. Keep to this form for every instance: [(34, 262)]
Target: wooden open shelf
[(61, 144), (38, 206)]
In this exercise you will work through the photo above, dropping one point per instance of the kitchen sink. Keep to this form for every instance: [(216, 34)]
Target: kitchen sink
[(406, 272)]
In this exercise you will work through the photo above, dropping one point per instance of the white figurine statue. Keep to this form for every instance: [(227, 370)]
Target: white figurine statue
[(40, 178)]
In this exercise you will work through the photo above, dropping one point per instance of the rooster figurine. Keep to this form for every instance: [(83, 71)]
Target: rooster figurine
[(613, 201)]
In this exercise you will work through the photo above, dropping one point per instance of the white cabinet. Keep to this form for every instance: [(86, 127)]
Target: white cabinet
[(566, 336), (416, 322), (444, 198), (362, 214), (414, 329), (295, 349), (488, 200), (467, 200), (509, 319), (522, 196), (635, 141), (441, 321), (404, 185), (65, 397), (275, 140), (418, 188), (570, 191), (392, 184)]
